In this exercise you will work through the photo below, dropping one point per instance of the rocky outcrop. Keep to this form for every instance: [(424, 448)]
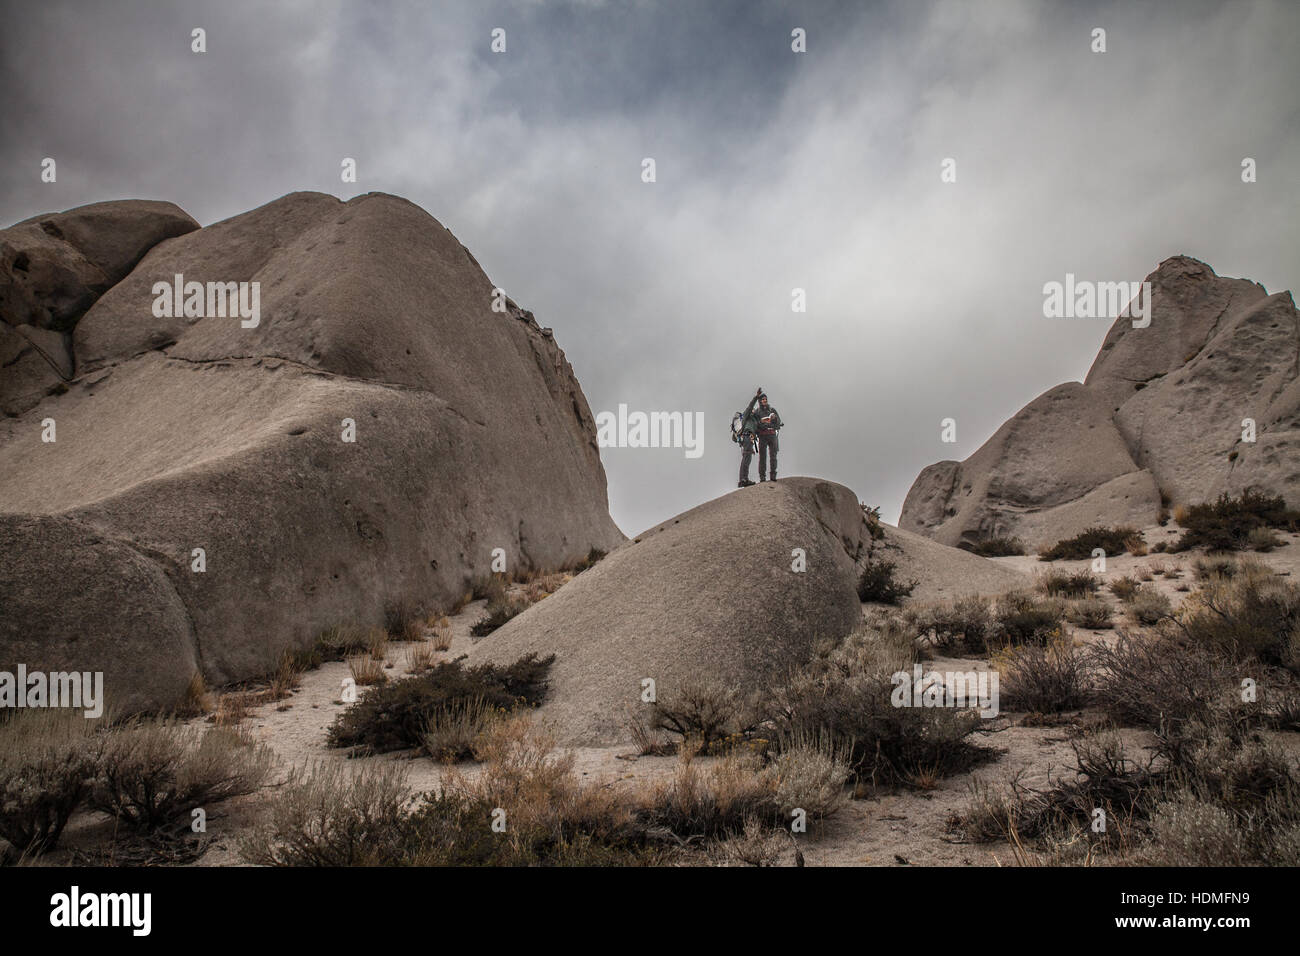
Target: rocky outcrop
[(1163, 411), (52, 269), (713, 595), (367, 443), (708, 594)]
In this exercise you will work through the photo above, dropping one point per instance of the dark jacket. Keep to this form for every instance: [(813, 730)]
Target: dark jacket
[(768, 421)]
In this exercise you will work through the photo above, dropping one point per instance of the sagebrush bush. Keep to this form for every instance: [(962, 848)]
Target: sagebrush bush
[(1093, 613), (1070, 584), (594, 557), (878, 583), (1226, 523), (808, 775), (331, 815), (1114, 541), (395, 716), (1125, 587), (1149, 606), (333, 644), (1248, 616), (714, 801), (1262, 540), (1212, 793), (152, 774), (497, 613), (706, 714), (843, 697), (452, 732), (1144, 680), (1023, 618), (1059, 818), (993, 547), (48, 761), (1042, 678), (404, 620), (965, 624)]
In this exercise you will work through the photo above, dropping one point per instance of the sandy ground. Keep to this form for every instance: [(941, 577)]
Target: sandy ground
[(906, 827)]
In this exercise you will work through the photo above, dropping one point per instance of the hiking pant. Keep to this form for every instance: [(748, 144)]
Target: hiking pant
[(767, 444), (746, 453)]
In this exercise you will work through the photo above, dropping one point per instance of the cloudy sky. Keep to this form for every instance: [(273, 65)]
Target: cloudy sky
[(776, 170)]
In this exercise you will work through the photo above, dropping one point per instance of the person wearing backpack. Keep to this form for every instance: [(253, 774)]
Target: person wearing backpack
[(755, 430), (767, 424)]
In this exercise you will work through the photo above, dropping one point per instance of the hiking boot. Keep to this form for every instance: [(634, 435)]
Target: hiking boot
[(745, 483)]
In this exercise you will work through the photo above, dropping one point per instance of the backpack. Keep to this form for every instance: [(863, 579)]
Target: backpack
[(737, 426)]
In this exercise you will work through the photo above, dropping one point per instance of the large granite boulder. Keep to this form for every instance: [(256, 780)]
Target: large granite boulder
[(471, 434), (713, 595), (1162, 414), (52, 269)]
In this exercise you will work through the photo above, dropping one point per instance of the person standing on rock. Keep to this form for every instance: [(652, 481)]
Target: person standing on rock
[(768, 423), (748, 438)]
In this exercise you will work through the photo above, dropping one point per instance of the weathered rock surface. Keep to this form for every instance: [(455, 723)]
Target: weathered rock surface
[(1162, 410), (52, 269), (471, 434), (712, 595)]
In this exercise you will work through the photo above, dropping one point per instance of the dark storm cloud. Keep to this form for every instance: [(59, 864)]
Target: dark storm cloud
[(775, 170)]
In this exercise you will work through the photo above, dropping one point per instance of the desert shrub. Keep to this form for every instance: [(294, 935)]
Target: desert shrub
[(1212, 793), (442, 635), (198, 700), (491, 589), (993, 547), (1125, 587), (1262, 539), (964, 624), (404, 620), (1092, 613), (714, 801), (1070, 584), (756, 845), (708, 715), (878, 583), (367, 671), (1136, 545), (497, 614), (1154, 679), (1231, 799), (1225, 524), (844, 697), (395, 716), (153, 773), (594, 556), (1248, 616), (1022, 618), (421, 657), (330, 815), (48, 760), (1149, 606), (1060, 815), (1042, 678), (1214, 566), (1114, 541), (809, 775), (452, 732), (333, 644), (327, 816)]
